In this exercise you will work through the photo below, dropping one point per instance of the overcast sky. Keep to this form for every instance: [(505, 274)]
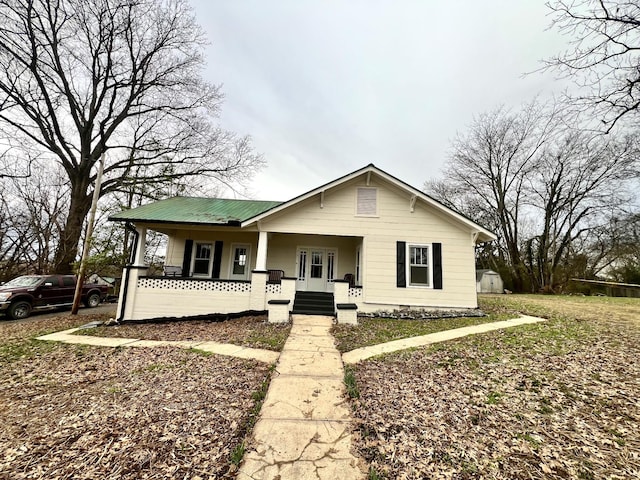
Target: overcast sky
[(327, 87)]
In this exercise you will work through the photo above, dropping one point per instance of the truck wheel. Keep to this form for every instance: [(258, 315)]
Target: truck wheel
[(19, 310), (93, 300)]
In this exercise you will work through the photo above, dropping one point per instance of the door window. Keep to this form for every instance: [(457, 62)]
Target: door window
[(240, 261), (316, 264), (302, 265), (331, 263)]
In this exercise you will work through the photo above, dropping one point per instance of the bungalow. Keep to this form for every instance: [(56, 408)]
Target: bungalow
[(361, 243)]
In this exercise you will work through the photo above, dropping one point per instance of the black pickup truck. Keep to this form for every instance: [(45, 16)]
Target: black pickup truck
[(21, 295)]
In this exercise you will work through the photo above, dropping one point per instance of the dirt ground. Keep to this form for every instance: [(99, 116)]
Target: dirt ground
[(555, 400), (72, 411)]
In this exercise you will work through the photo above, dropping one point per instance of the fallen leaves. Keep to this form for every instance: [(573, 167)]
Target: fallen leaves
[(249, 331), (551, 401), (99, 413)]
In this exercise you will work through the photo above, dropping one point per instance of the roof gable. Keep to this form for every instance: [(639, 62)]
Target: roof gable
[(244, 213), (483, 234)]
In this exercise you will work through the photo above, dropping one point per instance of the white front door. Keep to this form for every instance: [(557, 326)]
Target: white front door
[(316, 269)]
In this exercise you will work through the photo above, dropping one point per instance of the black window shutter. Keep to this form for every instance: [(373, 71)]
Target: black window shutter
[(217, 259), (401, 264), (186, 261), (437, 266)]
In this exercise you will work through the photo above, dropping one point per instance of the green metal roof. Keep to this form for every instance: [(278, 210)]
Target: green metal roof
[(216, 211)]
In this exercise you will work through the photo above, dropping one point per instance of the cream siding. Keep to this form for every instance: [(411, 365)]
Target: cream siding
[(329, 220), (176, 243), (394, 222)]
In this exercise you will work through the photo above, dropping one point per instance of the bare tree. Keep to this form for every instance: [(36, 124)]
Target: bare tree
[(32, 215), (541, 187), (490, 164), (83, 77), (576, 184), (603, 58)]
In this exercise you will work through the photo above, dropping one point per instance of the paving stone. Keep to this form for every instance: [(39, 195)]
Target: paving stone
[(317, 320), (299, 362), (310, 330), (98, 341), (57, 336), (279, 440), (310, 343), (315, 398), (304, 430)]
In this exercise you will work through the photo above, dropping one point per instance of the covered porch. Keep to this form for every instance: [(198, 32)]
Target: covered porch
[(221, 271)]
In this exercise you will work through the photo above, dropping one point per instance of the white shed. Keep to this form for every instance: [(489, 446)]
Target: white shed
[(488, 281)]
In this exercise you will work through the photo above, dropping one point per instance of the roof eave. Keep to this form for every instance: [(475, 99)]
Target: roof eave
[(231, 223)]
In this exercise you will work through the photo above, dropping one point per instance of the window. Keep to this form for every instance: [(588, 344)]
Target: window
[(68, 282), (366, 202), (358, 253), (419, 265), (202, 259)]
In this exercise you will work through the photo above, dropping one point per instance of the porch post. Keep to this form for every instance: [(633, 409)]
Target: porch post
[(130, 275), (258, 298), (141, 246), (261, 260)]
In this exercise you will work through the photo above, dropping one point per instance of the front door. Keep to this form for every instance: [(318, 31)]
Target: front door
[(239, 265), (316, 269)]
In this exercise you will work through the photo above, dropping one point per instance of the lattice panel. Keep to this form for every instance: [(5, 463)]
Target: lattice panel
[(274, 288), (187, 284), (355, 292)]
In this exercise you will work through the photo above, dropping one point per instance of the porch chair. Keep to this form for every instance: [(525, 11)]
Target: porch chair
[(275, 276), (350, 278)]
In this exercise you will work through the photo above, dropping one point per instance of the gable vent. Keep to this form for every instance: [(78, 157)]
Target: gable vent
[(366, 203)]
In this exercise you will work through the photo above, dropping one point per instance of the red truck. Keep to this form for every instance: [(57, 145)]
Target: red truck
[(21, 295)]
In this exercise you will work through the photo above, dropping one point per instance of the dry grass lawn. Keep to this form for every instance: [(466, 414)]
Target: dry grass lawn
[(84, 412), (555, 400)]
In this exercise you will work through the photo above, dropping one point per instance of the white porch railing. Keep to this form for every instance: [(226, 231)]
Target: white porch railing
[(355, 292), (194, 284)]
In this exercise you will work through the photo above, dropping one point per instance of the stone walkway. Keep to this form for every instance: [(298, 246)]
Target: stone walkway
[(304, 429), (360, 354), (67, 336)]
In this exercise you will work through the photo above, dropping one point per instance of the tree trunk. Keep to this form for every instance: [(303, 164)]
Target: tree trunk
[(67, 251)]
